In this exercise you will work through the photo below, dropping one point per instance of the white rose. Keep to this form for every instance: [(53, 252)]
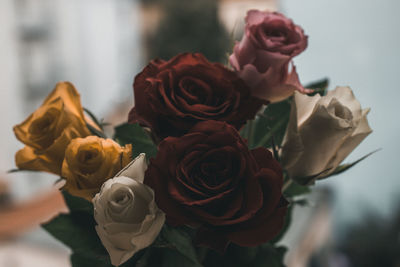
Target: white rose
[(321, 132), (127, 216)]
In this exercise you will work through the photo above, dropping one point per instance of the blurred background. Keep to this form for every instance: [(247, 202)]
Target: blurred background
[(99, 45)]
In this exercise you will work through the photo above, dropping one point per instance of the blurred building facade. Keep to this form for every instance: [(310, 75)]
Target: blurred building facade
[(209, 27), (93, 43), (232, 12)]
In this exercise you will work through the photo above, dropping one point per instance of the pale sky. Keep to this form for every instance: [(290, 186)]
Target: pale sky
[(355, 43)]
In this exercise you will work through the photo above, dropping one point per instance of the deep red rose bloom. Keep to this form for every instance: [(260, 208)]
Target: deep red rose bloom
[(209, 179), (171, 96)]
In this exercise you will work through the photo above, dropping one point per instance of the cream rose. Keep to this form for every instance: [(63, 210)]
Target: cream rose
[(127, 216), (321, 132)]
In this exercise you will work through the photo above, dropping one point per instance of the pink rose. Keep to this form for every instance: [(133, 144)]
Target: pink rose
[(263, 58)]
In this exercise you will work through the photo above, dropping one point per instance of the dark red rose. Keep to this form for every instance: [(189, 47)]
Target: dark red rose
[(171, 96), (209, 179)]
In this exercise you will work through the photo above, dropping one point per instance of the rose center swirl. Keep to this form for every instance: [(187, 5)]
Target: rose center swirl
[(41, 129), (209, 173)]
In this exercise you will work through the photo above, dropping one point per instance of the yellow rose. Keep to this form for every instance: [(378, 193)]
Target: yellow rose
[(90, 161), (48, 131)]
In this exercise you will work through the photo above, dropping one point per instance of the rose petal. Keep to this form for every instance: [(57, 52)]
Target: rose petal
[(261, 229), (127, 225), (135, 169)]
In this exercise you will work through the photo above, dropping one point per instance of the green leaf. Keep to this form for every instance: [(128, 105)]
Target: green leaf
[(94, 118), (319, 87), (83, 260), (138, 137), (21, 170), (273, 121), (151, 258), (244, 132), (95, 131), (286, 225), (181, 241), (16, 170), (309, 180), (133, 261), (345, 167), (172, 248), (304, 202), (174, 258), (270, 256), (77, 231), (265, 255), (296, 189), (92, 129), (272, 124), (77, 204)]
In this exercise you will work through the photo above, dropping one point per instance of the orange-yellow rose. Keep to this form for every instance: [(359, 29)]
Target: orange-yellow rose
[(90, 161), (48, 131)]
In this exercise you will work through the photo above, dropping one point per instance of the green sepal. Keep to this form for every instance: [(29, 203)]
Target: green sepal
[(20, 170), (75, 204), (77, 231), (271, 124), (95, 131), (320, 87), (181, 251), (286, 225), (94, 118), (347, 166), (84, 260), (236, 256), (134, 134), (295, 189)]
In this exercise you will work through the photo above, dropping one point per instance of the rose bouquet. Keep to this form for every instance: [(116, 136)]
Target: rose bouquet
[(206, 170)]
